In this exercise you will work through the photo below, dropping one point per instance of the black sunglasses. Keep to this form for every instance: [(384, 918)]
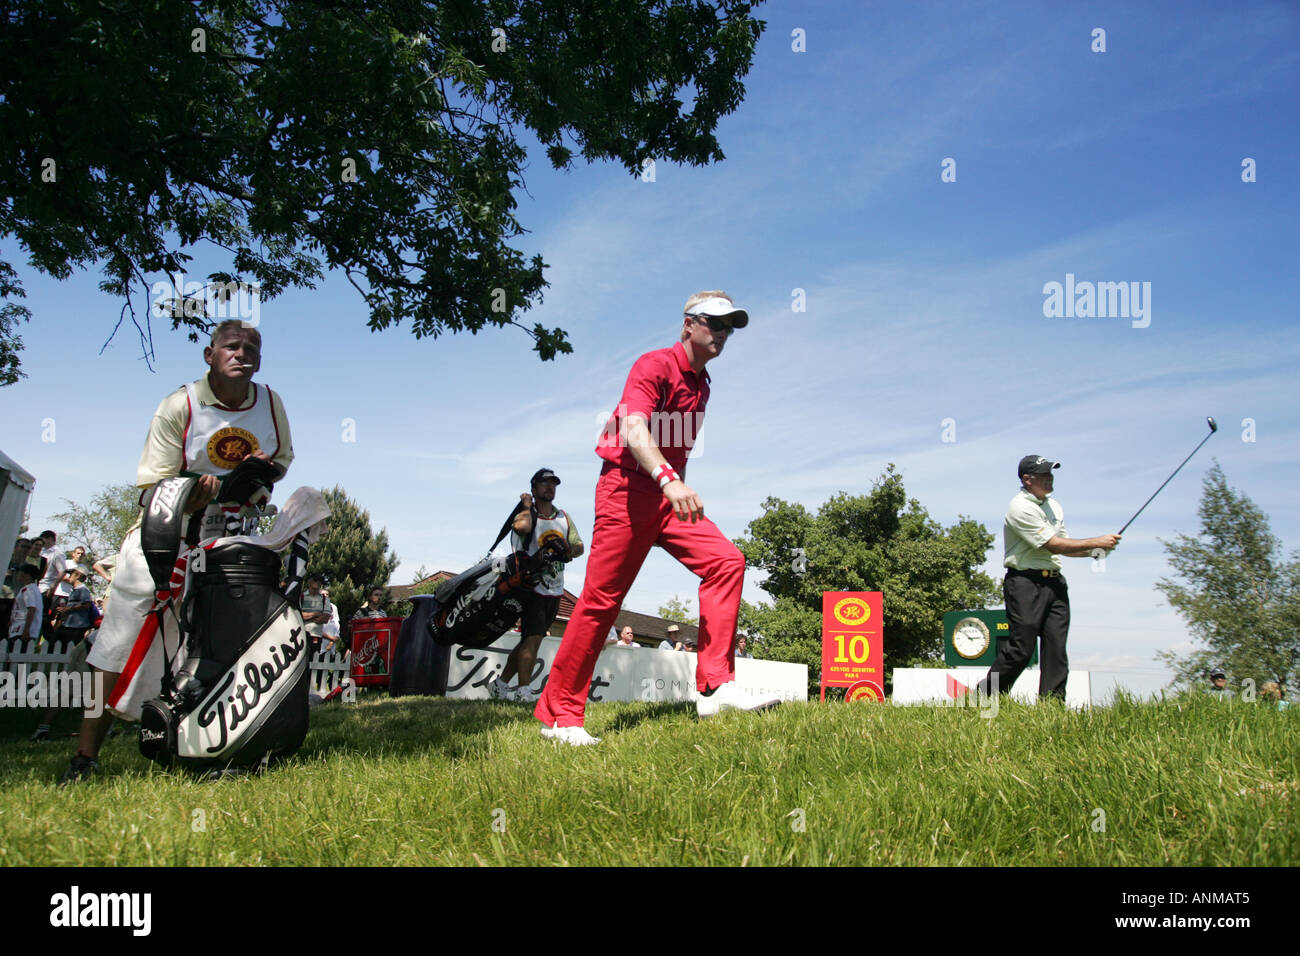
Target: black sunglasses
[(714, 323)]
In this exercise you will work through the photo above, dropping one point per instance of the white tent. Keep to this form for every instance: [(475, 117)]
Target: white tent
[(16, 485)]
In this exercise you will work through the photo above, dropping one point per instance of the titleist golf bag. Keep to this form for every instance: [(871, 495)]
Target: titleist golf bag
[(238, 697), (479, 605)]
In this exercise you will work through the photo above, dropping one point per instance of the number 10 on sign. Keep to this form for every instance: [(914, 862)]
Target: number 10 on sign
[(859, 648)]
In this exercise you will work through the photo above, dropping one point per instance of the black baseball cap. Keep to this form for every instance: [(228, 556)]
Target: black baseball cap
[(1216, 674), (542, 474), (1035, 465)]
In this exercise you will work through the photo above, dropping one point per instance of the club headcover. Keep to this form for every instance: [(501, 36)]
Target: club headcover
[(250, 483), (163, 524)]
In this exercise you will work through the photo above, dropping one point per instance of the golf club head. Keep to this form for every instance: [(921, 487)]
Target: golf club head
[(1213, 426)]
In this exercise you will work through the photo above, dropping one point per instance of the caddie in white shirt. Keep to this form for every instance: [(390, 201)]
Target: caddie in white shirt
[(205, 428), (542, 604)]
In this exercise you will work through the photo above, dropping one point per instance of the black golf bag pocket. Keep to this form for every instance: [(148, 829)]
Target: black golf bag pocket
[(158, 731)]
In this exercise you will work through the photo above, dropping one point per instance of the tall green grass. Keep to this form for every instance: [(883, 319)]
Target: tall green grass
[(432, 781)]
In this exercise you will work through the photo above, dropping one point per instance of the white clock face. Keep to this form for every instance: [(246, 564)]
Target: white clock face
[(970, 638)]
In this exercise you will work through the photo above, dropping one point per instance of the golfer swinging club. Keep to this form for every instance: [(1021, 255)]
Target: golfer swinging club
[(642, 500), (1037, 599)]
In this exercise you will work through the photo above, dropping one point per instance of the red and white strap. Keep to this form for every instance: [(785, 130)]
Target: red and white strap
[(665, 474)]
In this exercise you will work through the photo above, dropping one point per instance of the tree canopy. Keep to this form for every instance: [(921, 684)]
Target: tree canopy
[(1237, 593), (101, 525), (678, 610), (880, 541), (382, 140), (352, 557)]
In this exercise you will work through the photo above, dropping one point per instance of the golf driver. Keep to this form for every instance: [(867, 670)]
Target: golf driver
[(1213, 428)]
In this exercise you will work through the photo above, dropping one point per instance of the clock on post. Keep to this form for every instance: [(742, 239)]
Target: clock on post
[(970, 638)]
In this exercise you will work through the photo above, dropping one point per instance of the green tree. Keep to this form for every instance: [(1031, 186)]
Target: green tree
[(678, 610), (404, 608), (880, 541), (350, 554), (1238, 595), (100, 525), (286, 138)]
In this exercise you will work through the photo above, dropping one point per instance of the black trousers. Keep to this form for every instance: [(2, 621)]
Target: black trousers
[(1035, 606)]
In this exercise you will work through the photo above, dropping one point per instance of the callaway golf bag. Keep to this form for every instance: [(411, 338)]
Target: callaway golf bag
[(235, 694), (479, 605)]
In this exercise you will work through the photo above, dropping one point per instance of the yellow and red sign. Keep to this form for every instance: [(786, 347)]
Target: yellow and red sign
[(852, 644)]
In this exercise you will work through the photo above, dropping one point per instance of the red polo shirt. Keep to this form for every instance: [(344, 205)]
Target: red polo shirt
[(664, 390)]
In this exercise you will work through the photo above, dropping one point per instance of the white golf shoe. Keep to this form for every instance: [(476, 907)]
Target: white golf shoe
[(730, 696), (574, 736)]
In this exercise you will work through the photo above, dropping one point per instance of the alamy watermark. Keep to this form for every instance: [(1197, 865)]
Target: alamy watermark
[(1100, 300), (667, 429), (82, 909), (984, 698), (217, 301), (61, 689)]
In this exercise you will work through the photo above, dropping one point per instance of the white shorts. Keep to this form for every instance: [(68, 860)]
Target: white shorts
[(133, 592), (127, 610)]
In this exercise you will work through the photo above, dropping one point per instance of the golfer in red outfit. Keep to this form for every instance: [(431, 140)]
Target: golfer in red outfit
[(642, 500)]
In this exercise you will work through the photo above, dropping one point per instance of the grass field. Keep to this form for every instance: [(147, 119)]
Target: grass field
[(431, 781)]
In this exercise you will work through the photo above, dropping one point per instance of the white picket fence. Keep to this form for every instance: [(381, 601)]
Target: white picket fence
[(327, 670), (42, 657)]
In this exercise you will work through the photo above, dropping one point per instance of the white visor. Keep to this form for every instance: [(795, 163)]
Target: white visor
[(720, 308)]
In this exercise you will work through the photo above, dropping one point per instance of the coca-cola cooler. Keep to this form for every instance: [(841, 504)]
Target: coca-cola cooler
[(374, 639)]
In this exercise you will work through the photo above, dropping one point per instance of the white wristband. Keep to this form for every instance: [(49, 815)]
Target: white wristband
[(665, 474)]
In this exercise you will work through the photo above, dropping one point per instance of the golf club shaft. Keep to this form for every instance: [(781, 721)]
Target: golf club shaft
[(1166, 481)]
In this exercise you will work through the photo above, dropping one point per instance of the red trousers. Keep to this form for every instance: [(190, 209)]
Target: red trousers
[(632, 515)]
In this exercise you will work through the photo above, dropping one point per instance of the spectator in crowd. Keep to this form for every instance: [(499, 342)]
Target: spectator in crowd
[(671, 642), (371, 608), (75, 609), (742, 646), (1271, 693), (1219, 685), (35, 559), (75, 619), (106, 566), (55, 564), (74, 558), (317, 611), (29, 608), (626, 637), (9, 591)]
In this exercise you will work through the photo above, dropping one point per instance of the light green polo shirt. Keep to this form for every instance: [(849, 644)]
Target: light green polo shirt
[(1028, 526)]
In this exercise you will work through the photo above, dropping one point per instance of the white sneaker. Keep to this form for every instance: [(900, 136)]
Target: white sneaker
[(730, 696), (575, 736), (500, 690), (524, 694)]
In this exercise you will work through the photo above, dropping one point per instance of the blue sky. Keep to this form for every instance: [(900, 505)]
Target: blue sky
[(924, 302)]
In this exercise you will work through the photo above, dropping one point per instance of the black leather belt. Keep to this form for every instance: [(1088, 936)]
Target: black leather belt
[(1035, 573)]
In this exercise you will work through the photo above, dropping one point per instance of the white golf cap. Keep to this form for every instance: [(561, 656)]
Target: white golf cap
[(721, 308)]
